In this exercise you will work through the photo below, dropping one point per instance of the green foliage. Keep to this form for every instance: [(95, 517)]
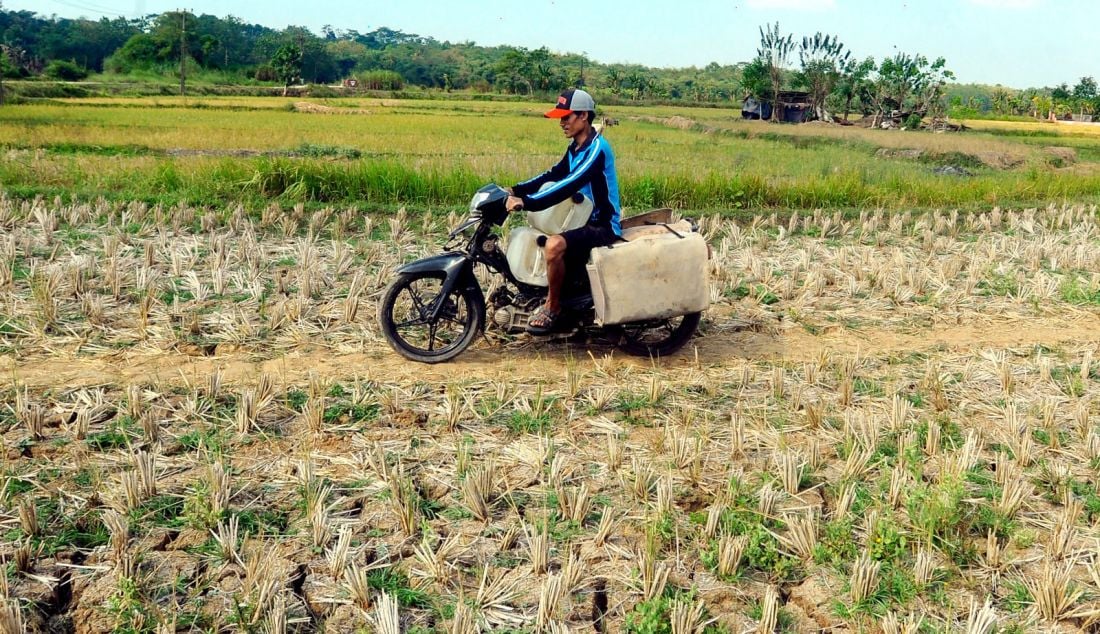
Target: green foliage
[(263, 521), (538, 418), (13, 486), (139, 52), (345, 412), (396, 584), (520, 422), (388, 60), (128, 608), (1017, 596), (940, 513), (287, 63), (381, 80), (330, 151), (161, 510), (763, 551), (198, 507), (661, 529), (295, 399), (629, 401), (835, 546), (911, 83), (867, 387), (823, 60), (62, 529), (887, 541), (118, 436), (210, 439), (65, 71), (654, 616), (998, 284), (649, 617), (1077, 290)]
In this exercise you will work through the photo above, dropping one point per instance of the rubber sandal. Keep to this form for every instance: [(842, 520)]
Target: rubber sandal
[(542, 322)]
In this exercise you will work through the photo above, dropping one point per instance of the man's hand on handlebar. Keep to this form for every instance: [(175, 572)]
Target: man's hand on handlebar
[(514, 203)]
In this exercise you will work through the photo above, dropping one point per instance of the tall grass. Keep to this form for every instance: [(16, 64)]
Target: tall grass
[(380, 182), (423, 153)]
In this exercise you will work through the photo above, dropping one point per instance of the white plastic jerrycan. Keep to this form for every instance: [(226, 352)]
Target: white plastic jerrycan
[(561, 217), (524, 254)]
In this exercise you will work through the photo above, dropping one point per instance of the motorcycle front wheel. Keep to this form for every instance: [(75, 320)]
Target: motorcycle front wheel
[(658, 338), (405, 317)]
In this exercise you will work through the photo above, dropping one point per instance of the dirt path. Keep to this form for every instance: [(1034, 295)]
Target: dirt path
[(536, 360)]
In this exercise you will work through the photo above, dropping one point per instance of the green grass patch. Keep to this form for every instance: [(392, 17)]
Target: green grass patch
[(396, 584), (1076, 290)]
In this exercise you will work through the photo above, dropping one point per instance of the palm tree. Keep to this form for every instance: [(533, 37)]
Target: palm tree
[(823, 59), (775, 51)]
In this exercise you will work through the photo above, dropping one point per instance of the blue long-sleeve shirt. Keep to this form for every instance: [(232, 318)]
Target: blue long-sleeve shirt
[(588, 169)]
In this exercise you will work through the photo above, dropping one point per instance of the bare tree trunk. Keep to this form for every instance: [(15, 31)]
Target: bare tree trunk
[(777, 84), (3, 66), (183, 54)]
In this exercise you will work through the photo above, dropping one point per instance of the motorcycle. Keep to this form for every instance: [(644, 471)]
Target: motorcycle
[(435, 308)]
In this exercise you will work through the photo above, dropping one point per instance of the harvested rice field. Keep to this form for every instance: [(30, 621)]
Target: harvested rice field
[(887, 423)]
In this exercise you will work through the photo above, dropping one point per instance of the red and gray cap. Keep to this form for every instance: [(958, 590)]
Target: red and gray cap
[(572, 100)]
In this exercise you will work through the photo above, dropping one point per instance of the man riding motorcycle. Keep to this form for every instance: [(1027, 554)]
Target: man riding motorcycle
[(588, 167)]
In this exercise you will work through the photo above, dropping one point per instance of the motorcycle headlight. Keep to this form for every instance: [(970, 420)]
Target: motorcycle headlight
[(476, 202)]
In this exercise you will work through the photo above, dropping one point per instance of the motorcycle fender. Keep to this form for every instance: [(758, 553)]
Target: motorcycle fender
[(457, 271)]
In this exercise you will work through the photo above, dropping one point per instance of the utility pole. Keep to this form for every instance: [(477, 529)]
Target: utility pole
[(183, 53)]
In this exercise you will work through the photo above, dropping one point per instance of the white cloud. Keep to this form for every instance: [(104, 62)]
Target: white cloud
[(1007, 4), (812, 5)]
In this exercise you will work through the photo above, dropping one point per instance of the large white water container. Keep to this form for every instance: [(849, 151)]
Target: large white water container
[(525, 256), (654, 276), (561, 217)]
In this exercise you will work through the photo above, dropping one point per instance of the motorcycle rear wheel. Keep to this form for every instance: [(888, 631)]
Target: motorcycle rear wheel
[(404, 317), (659, 338)]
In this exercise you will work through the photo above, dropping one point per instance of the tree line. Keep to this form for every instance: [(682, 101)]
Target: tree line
[(229, 50)]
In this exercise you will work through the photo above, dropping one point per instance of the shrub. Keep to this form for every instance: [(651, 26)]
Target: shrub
[(381, 80), (265, 73), (65, 71)]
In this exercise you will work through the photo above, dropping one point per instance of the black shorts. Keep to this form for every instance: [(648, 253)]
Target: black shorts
[(580, 242)]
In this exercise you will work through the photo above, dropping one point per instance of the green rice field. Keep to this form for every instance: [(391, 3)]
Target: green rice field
[(372, 152)]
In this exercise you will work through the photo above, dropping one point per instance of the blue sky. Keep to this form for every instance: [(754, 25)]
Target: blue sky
[(1018, 43)]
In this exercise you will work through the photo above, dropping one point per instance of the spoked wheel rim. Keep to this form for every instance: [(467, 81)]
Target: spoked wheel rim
[(659, 337), (411, 311), (651, 333)]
